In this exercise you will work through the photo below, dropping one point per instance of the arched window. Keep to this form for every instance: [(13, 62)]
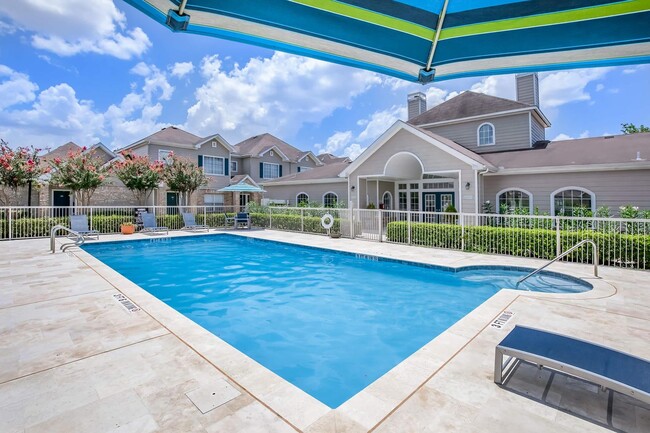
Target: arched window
[(387, 200), (485, 134), (510, 199), (330, 199), (569, 201), (302, 199)]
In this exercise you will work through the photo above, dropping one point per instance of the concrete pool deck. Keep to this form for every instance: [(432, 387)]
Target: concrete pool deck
[(74, 359)]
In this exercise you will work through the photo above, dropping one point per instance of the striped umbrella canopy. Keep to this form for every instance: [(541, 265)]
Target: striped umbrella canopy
[(420, 40)]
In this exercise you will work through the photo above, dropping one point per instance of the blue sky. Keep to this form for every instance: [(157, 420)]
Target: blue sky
[(74, 70)]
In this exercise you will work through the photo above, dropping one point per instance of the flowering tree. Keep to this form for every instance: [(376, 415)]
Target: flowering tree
[(18, 168), (183, 176), (139, 175), (81, 172)]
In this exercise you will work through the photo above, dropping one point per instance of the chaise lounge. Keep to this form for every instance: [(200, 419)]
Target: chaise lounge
[(606, 367), (243, 219), (190, 223), (79, 224), (150, 226)]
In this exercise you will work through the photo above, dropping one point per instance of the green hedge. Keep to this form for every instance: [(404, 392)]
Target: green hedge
[(614, 248)]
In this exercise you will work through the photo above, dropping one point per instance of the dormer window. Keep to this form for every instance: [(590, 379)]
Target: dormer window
[(486, 134)]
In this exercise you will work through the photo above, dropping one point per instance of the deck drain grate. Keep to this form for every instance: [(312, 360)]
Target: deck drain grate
[(503, 318), (126, 303)]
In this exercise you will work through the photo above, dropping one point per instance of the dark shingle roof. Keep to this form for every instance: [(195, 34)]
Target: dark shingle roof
[(596, 150), (172, 134), (328, 158), (467, 104)]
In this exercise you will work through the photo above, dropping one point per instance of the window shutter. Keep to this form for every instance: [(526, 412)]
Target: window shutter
[(298, 169), (226, 167), (200, 160), (280, 170), (261, 170)]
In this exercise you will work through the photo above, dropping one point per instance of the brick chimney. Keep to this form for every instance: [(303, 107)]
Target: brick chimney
[(417, 104), (528, 88)]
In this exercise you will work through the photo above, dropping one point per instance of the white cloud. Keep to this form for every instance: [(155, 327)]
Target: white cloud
[(563, 137), (180, 69), (15, 88), (502, 86), (380, 121), (563, 87), (69, 27), (276, 95), (335, 143), (55, 117), (600, 87)]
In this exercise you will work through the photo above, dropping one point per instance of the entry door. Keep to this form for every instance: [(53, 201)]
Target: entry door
[(243, 200), (445, 199), (172, 202), (61, 203), (429, 200)]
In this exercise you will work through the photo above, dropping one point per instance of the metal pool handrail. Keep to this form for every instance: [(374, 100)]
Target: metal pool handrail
[(80, 239), (570, 250)]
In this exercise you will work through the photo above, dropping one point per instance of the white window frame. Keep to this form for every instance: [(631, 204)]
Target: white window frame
[(299, 194), (478, 135), (330, 192), (234, 166), (223, 165), (530, 198), (265, 164), (304, 169), (391, 199), (162, 158), (214, 194), (577, 188)]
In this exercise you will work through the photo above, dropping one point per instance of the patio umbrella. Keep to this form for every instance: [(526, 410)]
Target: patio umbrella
[(426, 39), (241, 187)]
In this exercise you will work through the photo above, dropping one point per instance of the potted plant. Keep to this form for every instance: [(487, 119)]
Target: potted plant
[(128, 228)]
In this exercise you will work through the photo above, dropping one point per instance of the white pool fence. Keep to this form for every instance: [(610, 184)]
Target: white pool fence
[(621, 242)]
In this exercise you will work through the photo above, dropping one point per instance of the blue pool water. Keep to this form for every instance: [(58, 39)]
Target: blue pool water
[(330, 323)]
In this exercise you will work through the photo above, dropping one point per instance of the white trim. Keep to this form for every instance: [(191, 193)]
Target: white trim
[(303, 168), (163, 150), (329, 192), (391, 198), (506, 113), (236, 169), (578, 188), (614, 166), (405, 153), (248, 178), (530, 198), (69, 191), (218, 138), (271, 163), (283, 157), (313, 157), (394, 129), (478, 135), (300, 193), (303, 182), (223, 165)]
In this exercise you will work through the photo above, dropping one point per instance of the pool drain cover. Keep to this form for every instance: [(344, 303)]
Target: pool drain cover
[(212, 395)]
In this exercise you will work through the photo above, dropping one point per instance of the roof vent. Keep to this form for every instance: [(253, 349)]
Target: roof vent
[(607, 137), (541, 144)]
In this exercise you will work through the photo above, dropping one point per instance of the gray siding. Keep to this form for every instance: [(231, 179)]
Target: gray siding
[(612, 188), (511, 132), (433, 159), (253, 165), (537, 130), (240, 168), (314, 191), (527, 89)]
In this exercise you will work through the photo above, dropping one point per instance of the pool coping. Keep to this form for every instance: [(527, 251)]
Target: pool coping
[(370, 406)]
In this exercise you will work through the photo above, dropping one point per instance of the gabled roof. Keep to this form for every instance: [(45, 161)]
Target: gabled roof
[(260, 144), (326, 171), (310, 154), (169, 136), (446, 145), (242, 178), (61, 151), (328, 158), (621, 150), (214, 137), (471, 104)]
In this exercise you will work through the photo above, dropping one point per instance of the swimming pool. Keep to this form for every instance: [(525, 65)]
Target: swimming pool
[(331, 323)]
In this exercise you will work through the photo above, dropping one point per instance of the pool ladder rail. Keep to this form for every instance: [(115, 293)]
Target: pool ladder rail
[(567, 252), (79, 238)]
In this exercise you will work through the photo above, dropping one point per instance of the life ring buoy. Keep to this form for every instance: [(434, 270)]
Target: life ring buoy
[(327, 221)]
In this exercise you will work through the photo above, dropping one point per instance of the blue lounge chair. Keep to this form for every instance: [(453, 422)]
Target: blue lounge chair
[(149, 224), (242, 218), (608, 368), (190, 223), (79, 224)]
